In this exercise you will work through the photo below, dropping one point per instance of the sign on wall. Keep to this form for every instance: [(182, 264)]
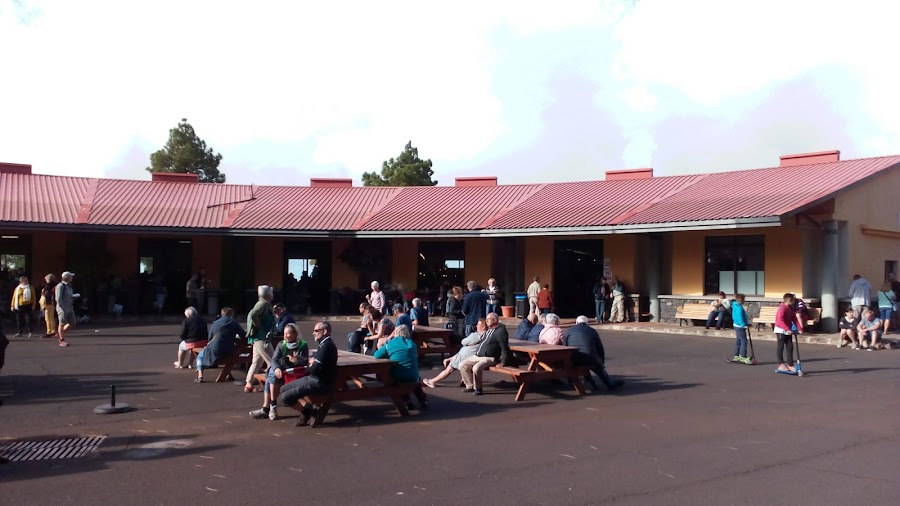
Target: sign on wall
[(607, 268)]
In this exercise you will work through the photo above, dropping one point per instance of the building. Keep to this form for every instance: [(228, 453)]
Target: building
[(804, 226)]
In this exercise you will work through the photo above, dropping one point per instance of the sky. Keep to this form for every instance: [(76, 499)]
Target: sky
[(528, 91)]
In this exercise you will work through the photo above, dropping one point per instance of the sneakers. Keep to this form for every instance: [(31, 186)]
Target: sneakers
[(305, 415), (737, 358), (745, 360), (30, 335), (18, 335), (478, 392), (260, 413), (63, 343), (468, 390), (856, 346), (273, 412)]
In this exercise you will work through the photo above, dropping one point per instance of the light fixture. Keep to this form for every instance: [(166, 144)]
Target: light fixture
[(184, 242), (10, 237)]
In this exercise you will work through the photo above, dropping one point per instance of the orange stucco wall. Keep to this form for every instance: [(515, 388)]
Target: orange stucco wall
[(873, 203), (621, 251), (405, 262), (124, 250), (538, 260), (48, 254), (269, 256), (479, 258), (206, 251), (783, 265)]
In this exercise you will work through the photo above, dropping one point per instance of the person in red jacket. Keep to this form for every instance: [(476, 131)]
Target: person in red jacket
[(784, 319)]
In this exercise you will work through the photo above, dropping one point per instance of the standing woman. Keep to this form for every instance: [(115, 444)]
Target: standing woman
[(48, 304), (887, 304), (454, 311), (376, 298), (22, 305), (493, 296)]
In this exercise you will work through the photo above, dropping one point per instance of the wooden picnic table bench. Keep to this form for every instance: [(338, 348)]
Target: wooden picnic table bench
[(434, 340), (692, 311), (354, 381), (767, 317), (545, 362), (242, 355)]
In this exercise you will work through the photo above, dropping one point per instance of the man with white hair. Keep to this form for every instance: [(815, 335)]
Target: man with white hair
[(590, 352), (260, 321)]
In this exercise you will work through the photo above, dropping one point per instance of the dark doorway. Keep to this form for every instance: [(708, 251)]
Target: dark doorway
[(576, 267), (169, 259), (307, 272), (441, 264)]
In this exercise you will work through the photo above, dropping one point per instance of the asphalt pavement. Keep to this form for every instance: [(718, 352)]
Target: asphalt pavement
[(687, 428)]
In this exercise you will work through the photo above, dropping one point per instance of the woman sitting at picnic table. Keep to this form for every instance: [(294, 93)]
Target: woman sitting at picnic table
[(222, 335), (552, 333), (292, 352), (469, 347), (193, 335), (383, 328), (404, 351)]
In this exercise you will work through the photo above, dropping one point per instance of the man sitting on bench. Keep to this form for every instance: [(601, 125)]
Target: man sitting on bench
[(322, 372), (289, 353), (493, 349), (590, 352)]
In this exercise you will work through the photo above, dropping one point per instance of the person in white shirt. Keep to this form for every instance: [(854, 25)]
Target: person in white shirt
[(721, 307), (533, 289), (860, 295)]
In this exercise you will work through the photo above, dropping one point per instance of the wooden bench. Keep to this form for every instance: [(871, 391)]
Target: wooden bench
[(767, 317), (228, 362), (397, 392), (692, 311)]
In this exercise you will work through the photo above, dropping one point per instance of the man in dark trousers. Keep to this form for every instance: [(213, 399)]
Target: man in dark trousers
[(474, 306), (322, 373), (590, 352), (494, 349)]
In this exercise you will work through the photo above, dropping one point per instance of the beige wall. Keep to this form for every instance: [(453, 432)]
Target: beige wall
[(622, 254), (269, 259), (538, 260), (872, 203), (783, 260), (405, 262)]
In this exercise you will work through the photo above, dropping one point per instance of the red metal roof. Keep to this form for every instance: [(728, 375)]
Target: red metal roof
[(41, 199), (761, 193)]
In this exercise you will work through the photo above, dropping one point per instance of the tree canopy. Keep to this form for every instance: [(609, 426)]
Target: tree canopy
[(406, 170), (185, 153)]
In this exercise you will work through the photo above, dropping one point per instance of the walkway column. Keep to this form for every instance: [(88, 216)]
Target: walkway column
[(829, 275), (653, 273)]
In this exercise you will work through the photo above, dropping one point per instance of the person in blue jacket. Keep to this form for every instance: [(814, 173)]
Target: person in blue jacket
[(741, 323)]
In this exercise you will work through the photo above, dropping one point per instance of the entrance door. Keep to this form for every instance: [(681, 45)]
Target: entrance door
[(576, 267), (307, 283), (171, 259)]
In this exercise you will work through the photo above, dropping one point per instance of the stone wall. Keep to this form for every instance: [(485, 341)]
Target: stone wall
[(669, 303)]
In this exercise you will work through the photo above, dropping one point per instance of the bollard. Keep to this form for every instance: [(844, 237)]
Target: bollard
[(112, 407)]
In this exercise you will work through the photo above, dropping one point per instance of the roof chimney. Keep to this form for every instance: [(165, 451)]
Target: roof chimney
[(477, 181), (175, 177), (620, 175), (330, 182), (810, 158), (15, 168)]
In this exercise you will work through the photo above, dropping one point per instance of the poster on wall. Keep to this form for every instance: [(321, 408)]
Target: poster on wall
[(607, 268)]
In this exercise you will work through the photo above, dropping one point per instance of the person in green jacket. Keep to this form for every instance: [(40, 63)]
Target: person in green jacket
[(260, 321)]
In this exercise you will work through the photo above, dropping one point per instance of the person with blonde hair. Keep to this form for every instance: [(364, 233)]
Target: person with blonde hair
[(22, 305), (48, 304)]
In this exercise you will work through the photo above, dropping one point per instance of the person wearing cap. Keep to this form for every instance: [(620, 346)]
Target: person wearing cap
[(282, 318), (65, 311)]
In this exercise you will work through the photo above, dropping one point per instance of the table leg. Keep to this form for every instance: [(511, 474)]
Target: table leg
[(226, 369), (521, 393), (576, 382)]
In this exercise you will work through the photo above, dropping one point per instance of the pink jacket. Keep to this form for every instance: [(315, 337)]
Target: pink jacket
[(785, 317), (552, 334)]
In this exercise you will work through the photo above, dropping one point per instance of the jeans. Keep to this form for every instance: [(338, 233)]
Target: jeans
[(355, 340), (598, 367), (713, 316), (493, 308), (470, 329), (785, 341), (24, 320), (599, 308), (740, 341)]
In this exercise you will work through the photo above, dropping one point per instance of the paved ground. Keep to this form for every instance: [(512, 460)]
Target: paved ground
[(686, 429)]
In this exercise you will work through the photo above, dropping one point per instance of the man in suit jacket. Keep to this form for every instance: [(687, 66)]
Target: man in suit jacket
[(474, 305), (590, 352), (494, 349)]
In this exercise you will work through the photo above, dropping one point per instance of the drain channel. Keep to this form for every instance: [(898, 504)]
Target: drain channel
[(54, 449)]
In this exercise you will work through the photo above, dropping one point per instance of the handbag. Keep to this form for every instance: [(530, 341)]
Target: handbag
[(893, 302)]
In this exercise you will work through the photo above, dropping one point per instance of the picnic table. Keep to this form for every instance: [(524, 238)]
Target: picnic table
[(434, 340), (545, 362), (362, 377)]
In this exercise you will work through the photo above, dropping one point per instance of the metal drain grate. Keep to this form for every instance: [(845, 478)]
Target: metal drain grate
[(53, 449)]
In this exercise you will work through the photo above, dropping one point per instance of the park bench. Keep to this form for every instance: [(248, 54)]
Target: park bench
[(692, 311), (241, 355), (767, 317), (545, 362)]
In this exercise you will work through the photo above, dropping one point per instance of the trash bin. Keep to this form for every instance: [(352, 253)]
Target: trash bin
[(521, 304)]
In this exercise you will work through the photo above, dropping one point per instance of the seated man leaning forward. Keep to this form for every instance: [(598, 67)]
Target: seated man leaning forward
[(222, 335), (404, 351), (525, 327), (290, 353), (320, 378), (590, 352), (870, 330), (494, 349)]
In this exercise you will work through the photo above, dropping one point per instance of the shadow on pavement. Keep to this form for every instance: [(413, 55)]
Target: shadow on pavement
[(639, 385), (115, 449), (59, 388)]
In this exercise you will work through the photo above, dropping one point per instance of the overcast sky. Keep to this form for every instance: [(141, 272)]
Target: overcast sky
[(526, 91)]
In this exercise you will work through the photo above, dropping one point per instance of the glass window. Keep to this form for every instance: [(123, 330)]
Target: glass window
[(441, 263), (735, 264), (146, 266), (12, 262)]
